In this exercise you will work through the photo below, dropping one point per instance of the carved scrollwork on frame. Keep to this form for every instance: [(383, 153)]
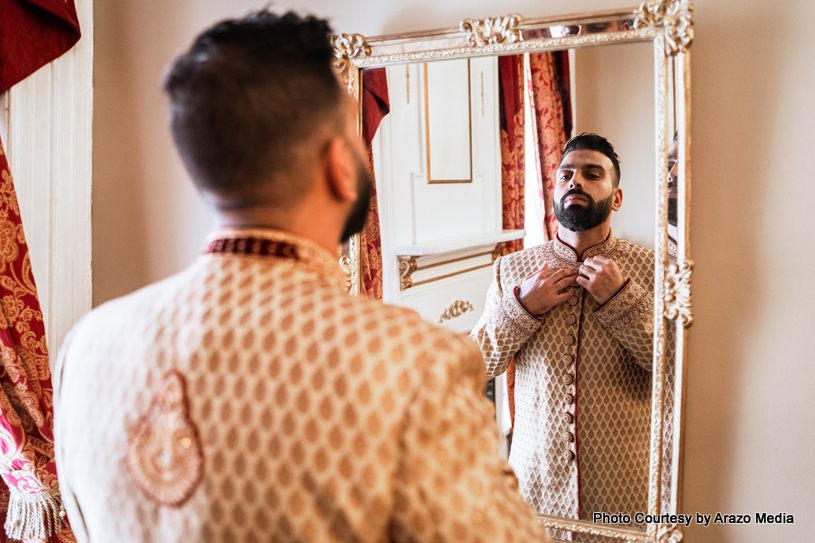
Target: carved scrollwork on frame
[(492, 30), (456, 309), (669, 533), (677, 292), (673, 17), (346, 263), (346, 47), (407, 265)]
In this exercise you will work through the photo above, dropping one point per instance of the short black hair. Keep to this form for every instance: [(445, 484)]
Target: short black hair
[(593, 142), (246, 98)]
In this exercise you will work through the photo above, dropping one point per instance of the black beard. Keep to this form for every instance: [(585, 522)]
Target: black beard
[(578, 218), (672, 215), (359, 213)]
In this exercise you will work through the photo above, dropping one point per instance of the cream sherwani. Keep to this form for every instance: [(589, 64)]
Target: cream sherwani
[(582, 384), (249, 399)]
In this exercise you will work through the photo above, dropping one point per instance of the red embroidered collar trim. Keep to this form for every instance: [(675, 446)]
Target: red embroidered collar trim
[(250, 245)]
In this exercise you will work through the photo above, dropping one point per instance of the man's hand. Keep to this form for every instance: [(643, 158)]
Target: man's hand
[(601, 277), (547, 288)]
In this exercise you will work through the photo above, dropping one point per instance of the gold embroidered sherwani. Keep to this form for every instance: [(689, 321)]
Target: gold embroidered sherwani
[(582, 383), (319, 416)]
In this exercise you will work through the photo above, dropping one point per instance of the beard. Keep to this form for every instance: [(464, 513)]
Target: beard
[(359, 213), (578, 218)]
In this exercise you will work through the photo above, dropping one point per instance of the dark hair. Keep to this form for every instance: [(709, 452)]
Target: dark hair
[(593, 142), (247, 100)]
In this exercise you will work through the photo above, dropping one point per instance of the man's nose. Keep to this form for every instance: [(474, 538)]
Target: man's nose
[(576, 181)]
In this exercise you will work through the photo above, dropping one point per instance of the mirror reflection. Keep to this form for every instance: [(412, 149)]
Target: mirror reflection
[(546, 259)]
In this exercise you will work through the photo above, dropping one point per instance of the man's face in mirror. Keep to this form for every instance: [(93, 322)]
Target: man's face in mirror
[(673, 179), (585, 190), (594, 28)]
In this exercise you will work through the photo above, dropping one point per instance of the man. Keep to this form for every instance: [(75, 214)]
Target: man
[(248, 398), (577, 315)]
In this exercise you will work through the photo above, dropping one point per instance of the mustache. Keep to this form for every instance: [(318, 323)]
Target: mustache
[(577, 191)]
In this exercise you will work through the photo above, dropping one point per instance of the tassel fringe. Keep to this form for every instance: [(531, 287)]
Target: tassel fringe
[(34, 516)]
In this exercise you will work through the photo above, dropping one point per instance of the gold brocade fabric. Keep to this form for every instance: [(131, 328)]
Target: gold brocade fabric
[(583, 385), (322, 417)]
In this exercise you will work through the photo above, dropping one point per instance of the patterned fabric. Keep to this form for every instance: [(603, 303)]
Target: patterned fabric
[(322, 417), (549, 126), (32, 34), (29, 495), (583, 391), (375, 106), (513, 172)]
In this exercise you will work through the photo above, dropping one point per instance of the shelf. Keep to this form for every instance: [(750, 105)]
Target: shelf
[(450, 245)]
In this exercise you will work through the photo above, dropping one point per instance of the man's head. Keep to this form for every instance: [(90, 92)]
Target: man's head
[(256, 109), (586, 190)]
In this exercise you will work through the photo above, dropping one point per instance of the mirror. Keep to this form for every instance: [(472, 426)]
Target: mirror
[(458, 112)]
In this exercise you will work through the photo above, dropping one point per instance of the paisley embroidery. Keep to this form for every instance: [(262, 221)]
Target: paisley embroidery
[(165, 457)]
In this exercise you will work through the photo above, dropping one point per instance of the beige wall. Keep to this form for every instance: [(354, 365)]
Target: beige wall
[(750, 436), (615, 98)]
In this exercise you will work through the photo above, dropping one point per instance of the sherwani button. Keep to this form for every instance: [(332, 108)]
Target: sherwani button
[(568, 437), (568, 379), (567, 359), (568, 456), (569, 399), (573, 300), (571, 319), (568, 418), (568, 340)]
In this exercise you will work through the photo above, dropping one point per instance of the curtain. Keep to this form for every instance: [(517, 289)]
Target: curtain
[(550, 98), (32, 34), (30, 505), (375, 106)]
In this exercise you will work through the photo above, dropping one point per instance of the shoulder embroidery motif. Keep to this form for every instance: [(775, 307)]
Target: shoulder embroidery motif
[(165, 457)]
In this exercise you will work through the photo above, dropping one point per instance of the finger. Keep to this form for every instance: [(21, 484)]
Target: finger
[(587, 271), (565, 281), (583, 282), (550, 272), (591, 263), (602, 259)]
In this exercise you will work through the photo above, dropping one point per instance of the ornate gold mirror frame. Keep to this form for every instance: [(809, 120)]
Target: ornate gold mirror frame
[(668, 24)]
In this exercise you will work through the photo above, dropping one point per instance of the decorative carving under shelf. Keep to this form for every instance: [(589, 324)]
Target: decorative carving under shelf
[(673, 17), (677, 292), (498, 251), (668, 533), (407, 265), (456, 309), (492, 30)]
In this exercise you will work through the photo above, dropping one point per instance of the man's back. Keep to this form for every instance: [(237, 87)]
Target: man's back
[(318, 416)]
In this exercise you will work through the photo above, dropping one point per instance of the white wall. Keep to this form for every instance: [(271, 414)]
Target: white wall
[(750, 403)]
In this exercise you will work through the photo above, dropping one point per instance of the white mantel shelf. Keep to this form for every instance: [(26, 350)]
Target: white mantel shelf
[(449, 245)]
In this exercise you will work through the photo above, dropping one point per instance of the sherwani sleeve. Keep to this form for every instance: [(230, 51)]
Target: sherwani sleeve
[(503, 327), (629, 317), (451, 484)]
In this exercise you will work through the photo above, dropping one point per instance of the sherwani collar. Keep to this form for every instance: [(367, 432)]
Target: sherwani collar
[(276, 244), (566, 252)]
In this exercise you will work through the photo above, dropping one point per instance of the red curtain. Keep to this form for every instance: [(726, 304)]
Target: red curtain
[(29, 492), (375, 106), (550, 97), (32, 34)]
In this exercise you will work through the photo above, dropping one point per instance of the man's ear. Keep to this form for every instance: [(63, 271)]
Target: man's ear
[(340, 171), (617, 202)]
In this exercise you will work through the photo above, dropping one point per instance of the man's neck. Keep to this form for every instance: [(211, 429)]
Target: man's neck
[(580, 241), (293, 223)]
